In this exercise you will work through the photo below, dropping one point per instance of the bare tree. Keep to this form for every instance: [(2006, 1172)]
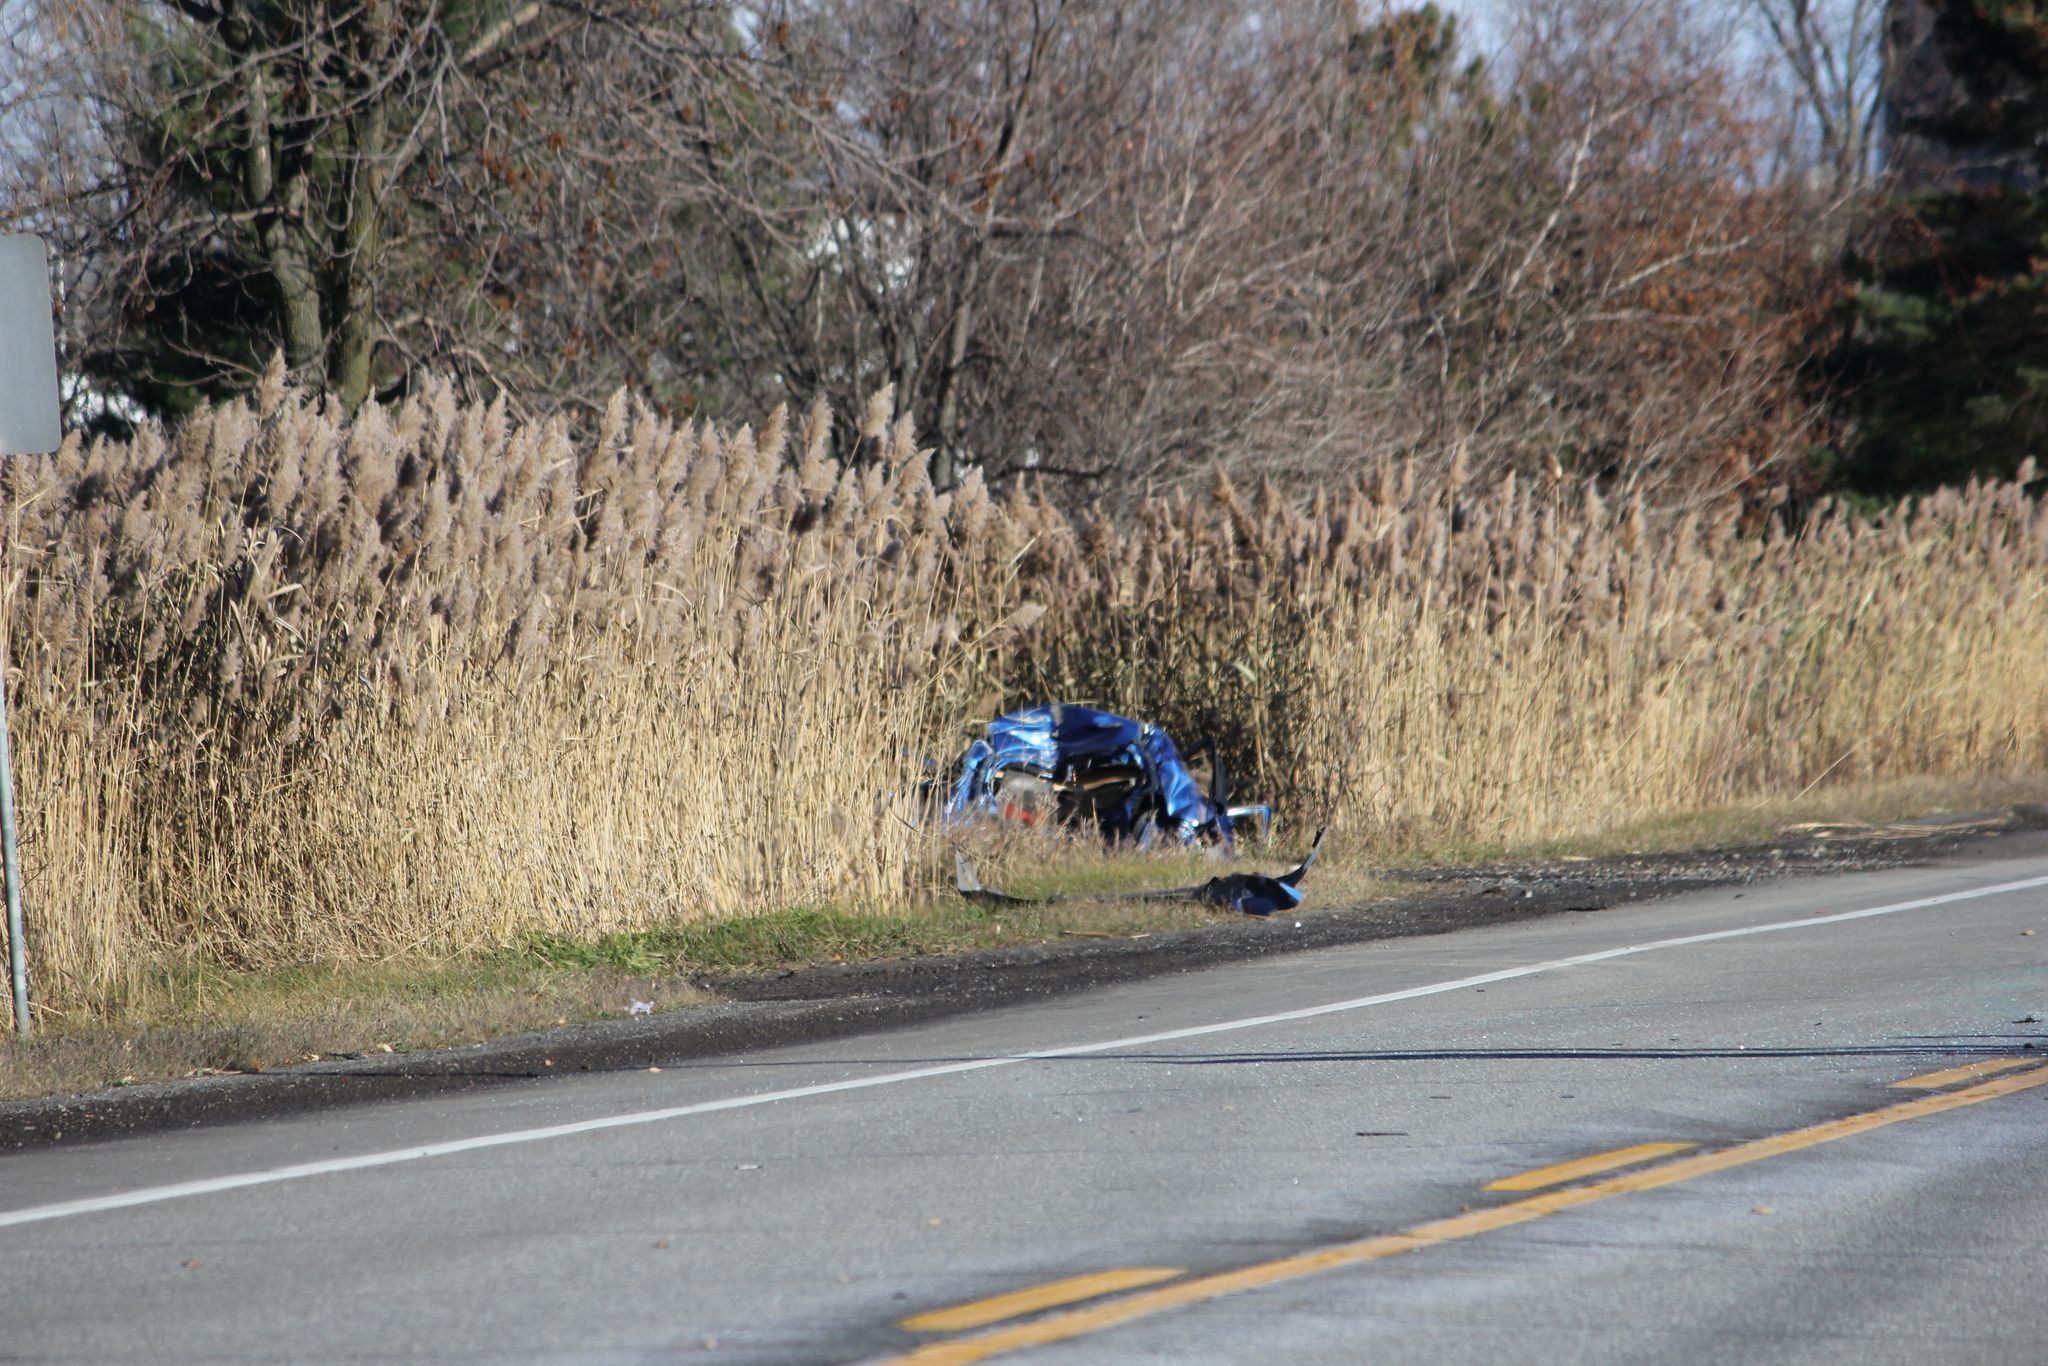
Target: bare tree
[(1837, 54), (1093, 243), (243, 174), (1335, 244)]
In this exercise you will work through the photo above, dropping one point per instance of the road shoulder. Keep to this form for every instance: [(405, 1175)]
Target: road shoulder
[(840, 1000)]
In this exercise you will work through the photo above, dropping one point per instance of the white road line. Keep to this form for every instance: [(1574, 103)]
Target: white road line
[(149, 1195)]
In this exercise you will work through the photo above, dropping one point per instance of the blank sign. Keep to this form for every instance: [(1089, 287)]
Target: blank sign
[(28, 351)]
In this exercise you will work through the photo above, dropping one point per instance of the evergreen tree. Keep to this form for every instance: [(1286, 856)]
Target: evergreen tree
[(1944, 357)]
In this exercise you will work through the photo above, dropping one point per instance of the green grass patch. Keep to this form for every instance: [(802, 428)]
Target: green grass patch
[(764, 942)]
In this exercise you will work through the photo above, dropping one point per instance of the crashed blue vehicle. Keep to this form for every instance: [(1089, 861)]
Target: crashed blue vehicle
[(1070, 764)]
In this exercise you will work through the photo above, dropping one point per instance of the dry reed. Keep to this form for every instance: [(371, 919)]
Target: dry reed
[(292, 688)]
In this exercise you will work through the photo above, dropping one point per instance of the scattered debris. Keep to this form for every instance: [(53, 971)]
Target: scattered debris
[(639, 1007), (1249, 893)]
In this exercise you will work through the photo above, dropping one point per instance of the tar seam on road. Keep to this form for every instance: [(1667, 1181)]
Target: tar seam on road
[(149, 1195), (1077, 1323), (1032, 1298), (1558, 1173), (1969, 1071)]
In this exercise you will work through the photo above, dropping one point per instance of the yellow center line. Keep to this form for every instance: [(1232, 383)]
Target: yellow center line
[(1097, 1318), (996, 1308), (1561, 1172), (1970, 1071)]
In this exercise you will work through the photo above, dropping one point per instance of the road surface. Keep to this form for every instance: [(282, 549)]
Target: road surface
[(1667, 1132)]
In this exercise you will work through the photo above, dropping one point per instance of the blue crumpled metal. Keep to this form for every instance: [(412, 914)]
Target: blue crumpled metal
[(1056, 740)]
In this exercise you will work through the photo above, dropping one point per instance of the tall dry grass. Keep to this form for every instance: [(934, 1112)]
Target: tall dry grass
[(292, 687), (1513, 662)]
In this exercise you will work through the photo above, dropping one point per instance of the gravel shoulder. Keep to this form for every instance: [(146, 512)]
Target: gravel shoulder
[(854, 998)]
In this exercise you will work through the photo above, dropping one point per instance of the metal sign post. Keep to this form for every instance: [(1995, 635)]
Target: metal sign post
[(17, 950), (29, 425)]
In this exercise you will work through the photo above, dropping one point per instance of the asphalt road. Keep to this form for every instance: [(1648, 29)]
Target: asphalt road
[(1289, 1159)]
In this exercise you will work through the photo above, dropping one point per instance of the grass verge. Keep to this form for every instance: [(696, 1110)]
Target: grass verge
[(202, 1019)]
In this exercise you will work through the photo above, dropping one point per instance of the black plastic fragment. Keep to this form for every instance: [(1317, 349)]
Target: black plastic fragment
[(1248, 893)]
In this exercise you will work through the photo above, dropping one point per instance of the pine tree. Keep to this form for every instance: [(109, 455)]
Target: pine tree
[(1945, 353)]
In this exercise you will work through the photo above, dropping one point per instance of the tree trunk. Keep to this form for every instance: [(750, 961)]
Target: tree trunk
[(356, 288), (945, 452), (361, 234), (298, 289), (279, 231)]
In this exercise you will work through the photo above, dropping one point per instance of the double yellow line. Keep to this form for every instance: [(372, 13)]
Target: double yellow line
[(1096, 1318)]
